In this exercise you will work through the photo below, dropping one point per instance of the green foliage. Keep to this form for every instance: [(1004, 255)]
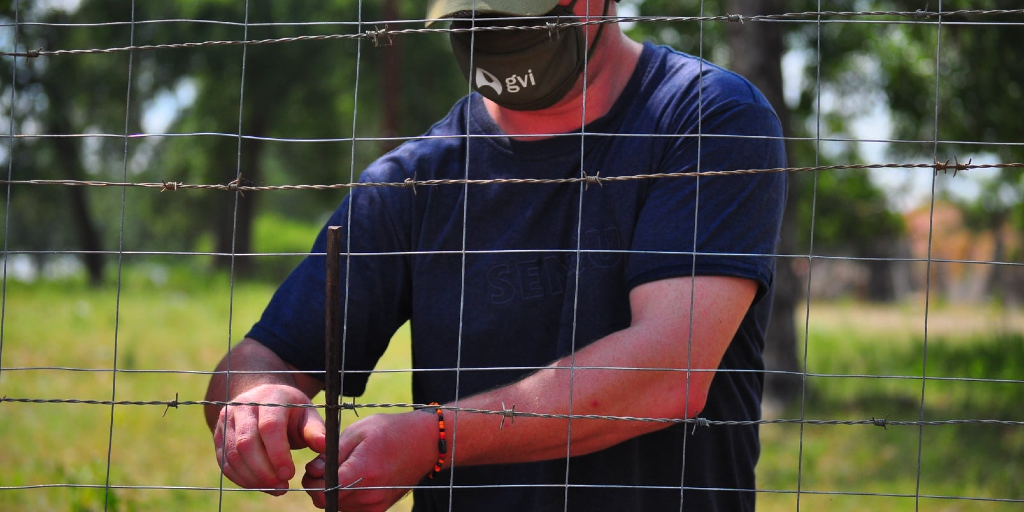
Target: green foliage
[(304, 104), (850, 213), (704, 39), (48, 102), (966, 89), (284, 240)]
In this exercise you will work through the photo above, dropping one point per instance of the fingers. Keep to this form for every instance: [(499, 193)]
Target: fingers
[(243, 453), (313, 481), (311, 430), (219, 443), (253, 452), (272, 431), (381, 457), (316, 469)]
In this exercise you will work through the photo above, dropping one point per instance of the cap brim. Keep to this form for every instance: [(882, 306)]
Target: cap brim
[(440, 9)]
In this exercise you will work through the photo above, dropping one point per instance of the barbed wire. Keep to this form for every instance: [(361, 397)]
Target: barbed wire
[(399, 139), (512, 413), (241, 185), (384, 36), (801, 15)]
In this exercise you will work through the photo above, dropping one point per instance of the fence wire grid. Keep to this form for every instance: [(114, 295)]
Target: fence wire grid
[(362, 38)]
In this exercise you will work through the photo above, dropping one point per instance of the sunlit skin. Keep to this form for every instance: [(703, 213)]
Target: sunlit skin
[(676, 323)]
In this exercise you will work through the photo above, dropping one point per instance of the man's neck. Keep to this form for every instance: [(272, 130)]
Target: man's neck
[(607, 75)]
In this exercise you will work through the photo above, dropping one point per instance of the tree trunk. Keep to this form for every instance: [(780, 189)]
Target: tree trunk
[(89, 239), (995, 286), (757, 50), (234, 233), (881, 282), (390, 80)]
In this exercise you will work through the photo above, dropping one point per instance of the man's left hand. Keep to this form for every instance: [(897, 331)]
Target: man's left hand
[(390, 453)]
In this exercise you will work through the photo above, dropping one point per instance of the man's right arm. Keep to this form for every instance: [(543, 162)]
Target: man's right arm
[(253, 443)]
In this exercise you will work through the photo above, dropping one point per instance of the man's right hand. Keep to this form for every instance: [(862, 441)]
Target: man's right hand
[(254, 443)]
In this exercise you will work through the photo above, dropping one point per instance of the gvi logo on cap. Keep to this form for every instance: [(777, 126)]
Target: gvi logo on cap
[(484, 77)]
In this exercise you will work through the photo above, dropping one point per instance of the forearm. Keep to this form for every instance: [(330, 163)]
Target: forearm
[(251, 365), (606, 392), (653, 369)]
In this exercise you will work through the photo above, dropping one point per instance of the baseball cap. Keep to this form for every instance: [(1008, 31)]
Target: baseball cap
[(437, 9)]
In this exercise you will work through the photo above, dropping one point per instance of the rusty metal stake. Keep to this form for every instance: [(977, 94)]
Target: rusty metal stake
[(332, 381)]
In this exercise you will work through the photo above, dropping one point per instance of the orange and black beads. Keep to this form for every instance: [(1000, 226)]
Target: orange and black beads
[(442, 442)]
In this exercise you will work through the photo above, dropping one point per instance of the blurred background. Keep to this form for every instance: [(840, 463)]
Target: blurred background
[(886, 275)]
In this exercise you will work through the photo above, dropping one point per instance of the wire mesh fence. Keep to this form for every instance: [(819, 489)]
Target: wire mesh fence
[(103, 384)]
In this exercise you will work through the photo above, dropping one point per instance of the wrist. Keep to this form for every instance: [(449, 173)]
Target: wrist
[(440, 438)]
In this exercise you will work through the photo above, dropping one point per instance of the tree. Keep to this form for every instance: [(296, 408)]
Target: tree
[(292, 91), (298, 90), (57, 107), (968, 98)]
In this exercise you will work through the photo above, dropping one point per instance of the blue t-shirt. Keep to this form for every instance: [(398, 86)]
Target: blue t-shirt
[(487, 274)]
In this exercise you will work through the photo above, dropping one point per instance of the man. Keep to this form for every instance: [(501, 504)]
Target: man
[(642, 298)]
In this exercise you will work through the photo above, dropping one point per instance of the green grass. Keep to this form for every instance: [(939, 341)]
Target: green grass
[(182, 326), (971, 460), (159, 328)]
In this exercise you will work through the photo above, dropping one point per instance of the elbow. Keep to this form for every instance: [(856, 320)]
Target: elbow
[(216, 391), (689, 398), (677, 394), (693, 406)]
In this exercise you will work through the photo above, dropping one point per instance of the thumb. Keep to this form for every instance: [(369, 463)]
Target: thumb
[(349, 466), (312, 430)]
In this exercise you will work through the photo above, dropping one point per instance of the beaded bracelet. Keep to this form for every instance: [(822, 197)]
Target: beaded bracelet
[(442, 443)]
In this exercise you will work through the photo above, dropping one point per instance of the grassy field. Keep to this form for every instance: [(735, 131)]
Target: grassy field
[(54, 333), (967, 460)]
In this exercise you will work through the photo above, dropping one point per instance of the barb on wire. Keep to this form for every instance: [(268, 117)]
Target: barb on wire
[(700, 422), (235, 185), (377, 35), (29, 54), (411, 183), (957, 166), (553, 28), (881, 422), (172, 403), (352, 406), (509, 413), (340, 487)]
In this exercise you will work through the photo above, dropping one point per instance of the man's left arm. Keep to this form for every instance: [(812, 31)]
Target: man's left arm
[(677, 324)]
